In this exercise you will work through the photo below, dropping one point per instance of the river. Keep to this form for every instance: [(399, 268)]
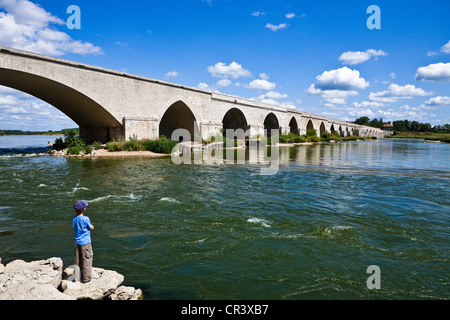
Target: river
[(226, 232)]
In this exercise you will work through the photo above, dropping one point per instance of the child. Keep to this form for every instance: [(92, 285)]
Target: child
[(83, 248)]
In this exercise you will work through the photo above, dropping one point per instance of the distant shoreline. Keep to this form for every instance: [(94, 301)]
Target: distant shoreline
[(36, 133)]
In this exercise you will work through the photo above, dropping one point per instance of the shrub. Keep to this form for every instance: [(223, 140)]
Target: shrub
[(115, 146), (162, 145), (133, 145), (97, 145), (336, 136), (73, 140), (311, 133), (326, 136), (75, 150), (301, 139), (313, 138), (352, 138), (87, 150)]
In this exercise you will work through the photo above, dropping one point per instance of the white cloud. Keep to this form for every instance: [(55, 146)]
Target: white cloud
[(264, 76), (257, 13), (28, 13), (341, 79), (367, 104), (331, 97), (438, 101), (396, 92), (434, 72), (223, 83), (203, 86), (275, 95), (233, 70), (171, 74), (276, 28), (446, 48), (392, 75), (335, 86), (357, 57), (262, 84), (27, 26), (290, 15)]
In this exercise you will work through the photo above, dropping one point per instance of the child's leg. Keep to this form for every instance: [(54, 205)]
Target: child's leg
[(86, 264), (78, 262)]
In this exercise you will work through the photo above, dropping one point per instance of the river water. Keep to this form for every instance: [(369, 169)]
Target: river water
[(226, 232)]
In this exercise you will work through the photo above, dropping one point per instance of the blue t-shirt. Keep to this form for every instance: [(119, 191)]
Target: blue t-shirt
[(82, 228)]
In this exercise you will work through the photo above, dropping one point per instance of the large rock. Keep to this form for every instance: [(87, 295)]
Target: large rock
[(37, 280), (126, 293), (102, 285), (46, 280)]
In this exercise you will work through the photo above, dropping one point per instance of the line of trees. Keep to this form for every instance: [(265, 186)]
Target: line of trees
[(36, 133), (403, 125)]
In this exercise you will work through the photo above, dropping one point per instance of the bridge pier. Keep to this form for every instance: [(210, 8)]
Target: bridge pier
[(103, 134), (141, 127)]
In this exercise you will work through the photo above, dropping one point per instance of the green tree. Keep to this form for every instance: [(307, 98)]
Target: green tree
[(364, 121), (415, 126), (1, 133), (401, 125), (424, 127), (375, 123)]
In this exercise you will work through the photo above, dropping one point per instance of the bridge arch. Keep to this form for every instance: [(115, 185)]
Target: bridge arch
[(234, 119), (270, 123), (293, 126), (332, 130), (309, 125), (178, 116), (322, 128), (95, 122)]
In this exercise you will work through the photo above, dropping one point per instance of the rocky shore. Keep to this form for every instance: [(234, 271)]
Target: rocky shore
[(51, 280), (102, 153)]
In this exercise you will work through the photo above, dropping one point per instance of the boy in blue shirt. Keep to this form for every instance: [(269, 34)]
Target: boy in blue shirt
[(83, 254)]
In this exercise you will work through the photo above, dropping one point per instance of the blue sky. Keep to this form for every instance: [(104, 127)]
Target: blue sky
[(315, 56)]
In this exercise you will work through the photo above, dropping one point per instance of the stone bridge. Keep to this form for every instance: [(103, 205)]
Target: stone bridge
[(111, 105)]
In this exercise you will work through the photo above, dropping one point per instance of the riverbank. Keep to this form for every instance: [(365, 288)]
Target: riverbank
[(430, 136), (104, 153), (51, 279)]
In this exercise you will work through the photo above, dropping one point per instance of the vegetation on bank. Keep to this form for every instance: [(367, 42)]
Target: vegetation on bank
[(37, 133), (432, 136), (310, 136), (162, 145), (403, 125), (73, 143)]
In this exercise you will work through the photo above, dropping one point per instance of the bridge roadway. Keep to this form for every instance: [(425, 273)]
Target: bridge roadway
[(111, 105)]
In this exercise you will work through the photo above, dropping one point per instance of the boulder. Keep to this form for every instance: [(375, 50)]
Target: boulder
[(37, 280), (48, 280), (103, 284), (126, 293)]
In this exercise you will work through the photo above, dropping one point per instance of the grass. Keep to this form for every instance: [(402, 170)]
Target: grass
[(443, 137), (161, 145)]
